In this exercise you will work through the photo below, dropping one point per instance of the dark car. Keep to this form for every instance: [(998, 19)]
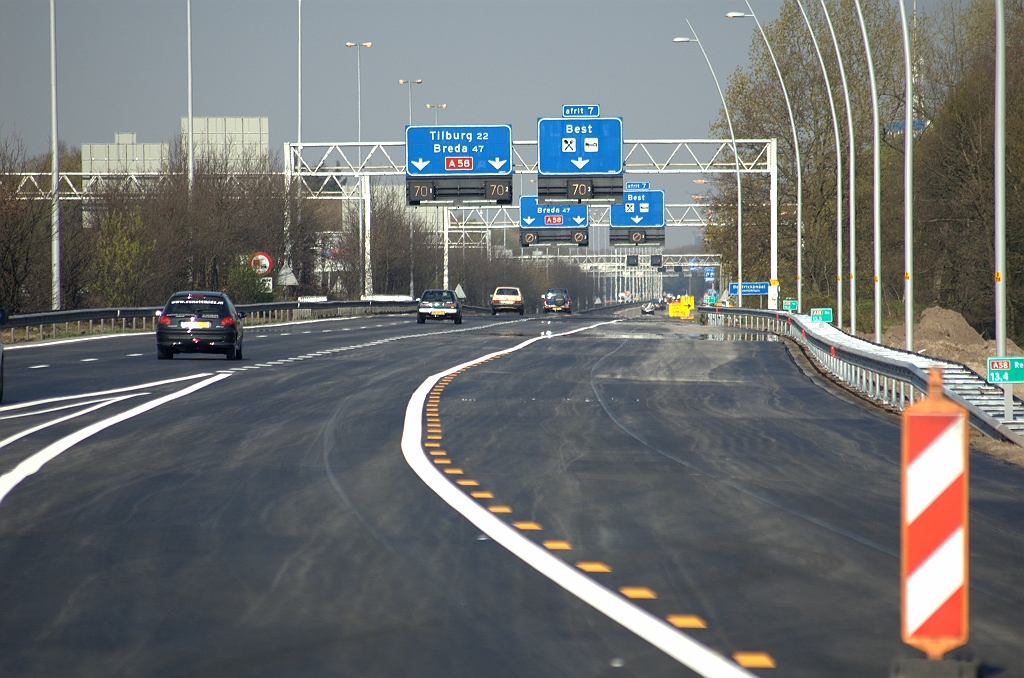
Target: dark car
[(557, 299), (439, 305), (199, 322)]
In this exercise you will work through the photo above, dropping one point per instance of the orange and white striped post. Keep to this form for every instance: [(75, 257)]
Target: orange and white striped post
[(933, 523)]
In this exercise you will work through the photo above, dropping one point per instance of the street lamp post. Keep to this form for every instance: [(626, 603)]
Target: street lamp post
[(364, 234), (410, 83), (412, 268), (851, 163), (55, 291), (796, 151), (839, 170), (736, 158), (876, 177), (1000, 198), (908, 184), (435, 107)]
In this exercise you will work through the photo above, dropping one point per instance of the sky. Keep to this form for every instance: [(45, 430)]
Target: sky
[(122, 65)]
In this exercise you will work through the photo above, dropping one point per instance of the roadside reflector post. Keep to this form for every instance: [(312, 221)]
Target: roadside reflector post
[(934, 530)]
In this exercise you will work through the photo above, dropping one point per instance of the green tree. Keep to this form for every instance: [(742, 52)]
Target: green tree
[(121, 259)]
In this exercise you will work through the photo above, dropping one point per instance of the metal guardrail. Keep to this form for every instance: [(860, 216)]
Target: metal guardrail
[(892, 376), (279, 311)]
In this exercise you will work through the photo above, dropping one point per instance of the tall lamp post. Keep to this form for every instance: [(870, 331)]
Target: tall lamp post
[(1000, 198), (796, 151), (364, 234), (736, 158), (435, 107), (55, 291), (876, 178), (851, 163), (412, 268), (839, 169), (908, 184)]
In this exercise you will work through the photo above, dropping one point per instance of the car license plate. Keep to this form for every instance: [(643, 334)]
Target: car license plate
[(438, 313), (195, 325)]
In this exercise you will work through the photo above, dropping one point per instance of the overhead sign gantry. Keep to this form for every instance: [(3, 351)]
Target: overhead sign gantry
[(640, 219), (452, 164), (579, 157)]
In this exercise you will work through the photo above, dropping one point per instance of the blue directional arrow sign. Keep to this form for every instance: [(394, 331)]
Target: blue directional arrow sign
[(578, 146), (532, 215), (709, 274), (640, 209), (458, 150)]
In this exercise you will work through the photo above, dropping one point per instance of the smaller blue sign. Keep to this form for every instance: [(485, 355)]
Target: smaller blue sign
[(709, 275), (641, 209), (532, 215), (638, 186), (750, 289), (581, 111)]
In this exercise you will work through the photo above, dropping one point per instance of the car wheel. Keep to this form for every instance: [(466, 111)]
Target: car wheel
[(521, 311), (163, 353), (568, 311), (494, 311), (238, 351), (420, 319), (458, 319)]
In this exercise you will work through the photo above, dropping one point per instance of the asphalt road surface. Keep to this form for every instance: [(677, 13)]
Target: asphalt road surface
[(639, 498)]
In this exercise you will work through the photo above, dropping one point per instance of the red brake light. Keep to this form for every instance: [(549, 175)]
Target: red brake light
[(164, 320), (227, 321)]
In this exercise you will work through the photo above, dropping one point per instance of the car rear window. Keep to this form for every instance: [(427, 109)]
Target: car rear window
[(438, 295), (507, 291), (196, 305)]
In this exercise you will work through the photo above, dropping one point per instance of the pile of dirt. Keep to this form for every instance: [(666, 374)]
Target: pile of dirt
[(945, 334)]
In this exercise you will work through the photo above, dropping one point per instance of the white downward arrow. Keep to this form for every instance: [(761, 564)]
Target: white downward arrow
[(637, 220), (579, 220), (420, 164), (579, 162), (497, 163), (528, 220)]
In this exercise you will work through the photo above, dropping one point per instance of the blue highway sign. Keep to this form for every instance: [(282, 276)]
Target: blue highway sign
[(709, 274), (573, 147), (458, 150), (638, 186), (581, 111), (532, 215), (640, 209), (750, 289)]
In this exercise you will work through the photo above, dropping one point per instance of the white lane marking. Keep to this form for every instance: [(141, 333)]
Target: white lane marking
[(658, 632), (285, 334), (54, 409), (261, 336), (308, 332), (58, 342), (37, 367), (133, 355), (328, 330), (33, 403), (89, 360), (59, 420), (10, 480)]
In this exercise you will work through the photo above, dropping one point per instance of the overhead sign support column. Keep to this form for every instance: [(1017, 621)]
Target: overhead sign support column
[(579, 158), (451, 164)]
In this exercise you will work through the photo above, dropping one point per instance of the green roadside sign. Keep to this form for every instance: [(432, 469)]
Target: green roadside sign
[(821, 315), (789, 304), (1006, 370)]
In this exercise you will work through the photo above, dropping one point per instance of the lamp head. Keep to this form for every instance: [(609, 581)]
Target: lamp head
[(682, 39), (736, 15)]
